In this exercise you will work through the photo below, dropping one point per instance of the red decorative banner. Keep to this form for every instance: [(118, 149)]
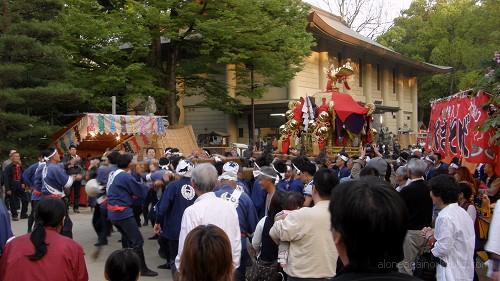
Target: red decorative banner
[(454, 129)]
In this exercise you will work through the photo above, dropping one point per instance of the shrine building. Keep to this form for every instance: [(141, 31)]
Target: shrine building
[(381, 76)]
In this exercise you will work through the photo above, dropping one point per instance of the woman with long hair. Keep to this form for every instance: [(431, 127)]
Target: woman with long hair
[(44, 254), (206, 255)]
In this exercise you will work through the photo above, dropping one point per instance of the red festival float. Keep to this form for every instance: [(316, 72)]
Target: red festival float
[(330, 121)]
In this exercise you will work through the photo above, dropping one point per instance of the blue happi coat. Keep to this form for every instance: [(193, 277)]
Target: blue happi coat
[(123, 190), (247, 215), (55, 180), (178, 195)]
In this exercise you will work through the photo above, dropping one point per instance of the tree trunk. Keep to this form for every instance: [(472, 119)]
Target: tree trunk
[(171, 84), (5, 16)]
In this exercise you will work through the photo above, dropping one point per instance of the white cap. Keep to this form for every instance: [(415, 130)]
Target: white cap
[(231, 166), (228, 176), (184, 168)]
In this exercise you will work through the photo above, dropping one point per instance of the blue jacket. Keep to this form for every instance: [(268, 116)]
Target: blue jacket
[(258, 196), (103, 173), (344, 172), (291, 186), (55, 178), (178, 195), (247, 215), (29, 173), (122, 191), (33, 178)]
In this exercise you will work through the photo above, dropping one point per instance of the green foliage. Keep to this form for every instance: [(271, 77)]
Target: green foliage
[(457, 33), (117, 45), (490, 82), (34, 87)]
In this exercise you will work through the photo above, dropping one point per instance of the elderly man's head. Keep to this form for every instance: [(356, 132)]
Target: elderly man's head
[(401, 175), (204, 178), (416, 168)]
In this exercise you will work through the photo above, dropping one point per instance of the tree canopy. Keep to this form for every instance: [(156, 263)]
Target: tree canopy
[(163, 48), (457, 33), (34, 83)]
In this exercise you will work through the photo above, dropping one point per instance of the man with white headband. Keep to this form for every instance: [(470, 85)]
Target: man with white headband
[(258, 195), (341, 164), (178, 195), (55, 182), (123, 191), (100, 215), (32, 177), (233, 167), (247, 215), (305, 169)]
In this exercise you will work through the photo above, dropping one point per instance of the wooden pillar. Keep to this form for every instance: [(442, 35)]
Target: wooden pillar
[(293, 89), (414, 103), (323, 65), (367, 82), (400, 96)]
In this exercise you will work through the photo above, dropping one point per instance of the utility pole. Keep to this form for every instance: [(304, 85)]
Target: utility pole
[(252, 89), (113, 105)]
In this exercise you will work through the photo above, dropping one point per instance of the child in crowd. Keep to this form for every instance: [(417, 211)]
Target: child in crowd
[(293, 201), (122, 265)]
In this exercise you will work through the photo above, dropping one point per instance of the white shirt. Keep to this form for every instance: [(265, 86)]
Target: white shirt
[(493, 244), (455, 240), (308, 188), (257, 236), (209, 209)]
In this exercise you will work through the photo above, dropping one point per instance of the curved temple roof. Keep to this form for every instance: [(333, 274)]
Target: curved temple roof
[(332, 25)]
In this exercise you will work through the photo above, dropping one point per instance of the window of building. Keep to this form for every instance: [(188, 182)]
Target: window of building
[(394, 80), (240, 132), (360, 67), (379, 77)]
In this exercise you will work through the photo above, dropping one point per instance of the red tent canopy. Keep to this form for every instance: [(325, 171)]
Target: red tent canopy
[(345, 105)]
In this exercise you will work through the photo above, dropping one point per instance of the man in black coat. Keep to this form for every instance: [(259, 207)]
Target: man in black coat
[(419, 204)]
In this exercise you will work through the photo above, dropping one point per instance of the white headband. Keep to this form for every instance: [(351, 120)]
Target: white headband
[(343, 157), (454, 166), (231, 176), (260, 173), (295, 167), (47, 158), (427, 158), (282, 175)]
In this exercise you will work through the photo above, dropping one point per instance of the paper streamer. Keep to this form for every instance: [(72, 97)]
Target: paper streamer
[(100, 123)]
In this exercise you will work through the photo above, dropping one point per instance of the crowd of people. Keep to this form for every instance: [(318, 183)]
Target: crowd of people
[(350, 217)]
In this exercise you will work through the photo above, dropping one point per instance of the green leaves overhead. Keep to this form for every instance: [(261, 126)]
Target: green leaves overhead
[(457, 33), (188, 40)]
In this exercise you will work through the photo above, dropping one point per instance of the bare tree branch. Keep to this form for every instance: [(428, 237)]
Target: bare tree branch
[(367, 17)]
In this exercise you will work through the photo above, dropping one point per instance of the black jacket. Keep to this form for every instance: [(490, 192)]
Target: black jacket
[(9, 177), (419, 203)]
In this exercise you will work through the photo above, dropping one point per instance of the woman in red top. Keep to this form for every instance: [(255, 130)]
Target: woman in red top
[(44, 254)]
